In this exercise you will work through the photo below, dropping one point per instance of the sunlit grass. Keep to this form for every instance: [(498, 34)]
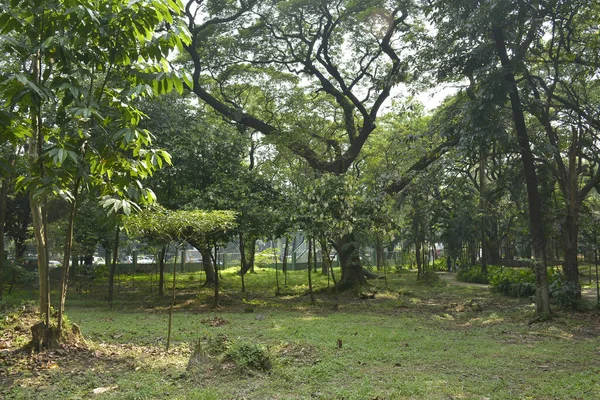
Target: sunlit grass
[(410, 341)]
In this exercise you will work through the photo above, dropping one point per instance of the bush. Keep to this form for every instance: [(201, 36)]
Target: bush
[(473, 275), (566, 294), (513, 282), (249, 356)]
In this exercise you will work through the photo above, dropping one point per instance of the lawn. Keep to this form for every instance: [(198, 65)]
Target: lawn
[(413, 340)]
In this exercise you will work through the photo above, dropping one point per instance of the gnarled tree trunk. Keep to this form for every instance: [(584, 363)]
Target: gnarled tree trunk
[(352, 271)]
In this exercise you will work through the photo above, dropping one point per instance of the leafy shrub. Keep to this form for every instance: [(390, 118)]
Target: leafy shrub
[(430, 278), (473, 275), (249, 356), (566, 294), (513, 282)]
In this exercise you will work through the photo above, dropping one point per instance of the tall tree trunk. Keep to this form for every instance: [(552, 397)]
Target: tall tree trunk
[(379, 251), (247, 252), (571, 225), (172, 300), (284, 267), (161, 271), (352, 271), (67, 259), (482, 210), (309, 268), (419, 259), (3, 197), (325, 260), (533, 196), (216, 266), (113, 268), (207, 265)]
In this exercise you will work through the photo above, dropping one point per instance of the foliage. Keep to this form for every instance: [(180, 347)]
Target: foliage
[(160, 223), (513, 282), (565, 293), (474, 275), (251, 356)]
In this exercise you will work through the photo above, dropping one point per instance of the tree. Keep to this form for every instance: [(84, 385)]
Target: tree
[(349, 56), (72, 99)]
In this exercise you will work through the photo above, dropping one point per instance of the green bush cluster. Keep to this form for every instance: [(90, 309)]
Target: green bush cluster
[(249, 356), (565, 293), (474, 275), (220, 349), (513, 282)]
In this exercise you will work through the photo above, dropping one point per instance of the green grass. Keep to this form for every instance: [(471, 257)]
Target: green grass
[(411, 341)]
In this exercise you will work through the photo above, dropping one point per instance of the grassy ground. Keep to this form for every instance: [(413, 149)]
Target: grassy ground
[(413, 340)]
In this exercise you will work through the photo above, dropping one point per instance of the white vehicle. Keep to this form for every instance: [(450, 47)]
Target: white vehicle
[(145, 260), (98, 261), (54, 264)]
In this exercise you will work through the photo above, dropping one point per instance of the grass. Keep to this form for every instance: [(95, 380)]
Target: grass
[(411, 341)]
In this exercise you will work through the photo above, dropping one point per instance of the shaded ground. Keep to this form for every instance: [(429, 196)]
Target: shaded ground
[(411, 340)]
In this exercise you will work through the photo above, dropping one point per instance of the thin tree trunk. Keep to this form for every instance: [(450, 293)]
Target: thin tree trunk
[(482, 162), (325, 260), (172, 301), (3, 197), (216, 266), (113, 267), (161, 271), (284, 267), (310, 288), (335, 288), (67, 259), (533, 196), (278, 292)]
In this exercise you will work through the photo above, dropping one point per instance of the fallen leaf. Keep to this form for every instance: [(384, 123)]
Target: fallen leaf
[(105, 389)]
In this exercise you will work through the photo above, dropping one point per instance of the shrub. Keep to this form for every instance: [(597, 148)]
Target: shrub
[(566, 294), (513, 282), (249, 356), (473, 275)]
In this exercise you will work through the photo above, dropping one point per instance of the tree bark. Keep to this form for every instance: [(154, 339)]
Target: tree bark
[(247, 252), (533, 196), (284, 268), (325, 260), (3, 197), (309, 268), (113, 267), (352, 271), (207, 265), (67, 259), (482, 210), (161, 271)]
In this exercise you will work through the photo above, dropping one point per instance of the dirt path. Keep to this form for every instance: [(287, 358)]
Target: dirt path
[(450, 279)]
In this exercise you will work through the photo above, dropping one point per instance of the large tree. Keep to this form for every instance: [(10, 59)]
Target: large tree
[(318, 74), (79, 67)]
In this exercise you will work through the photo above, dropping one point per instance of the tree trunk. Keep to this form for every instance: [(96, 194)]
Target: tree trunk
[(172, 300), (3, 197), (352, 271), (161, 271), (533, 196), (207, 265), (284, 268), (247, 252), (216, 266), (419, 259), (325, 260), (67, 259), (379, 252), (309, 269), (571, 225), (113, 268), (482, 210)]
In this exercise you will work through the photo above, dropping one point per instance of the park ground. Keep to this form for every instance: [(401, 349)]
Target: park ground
[(402, 340)]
